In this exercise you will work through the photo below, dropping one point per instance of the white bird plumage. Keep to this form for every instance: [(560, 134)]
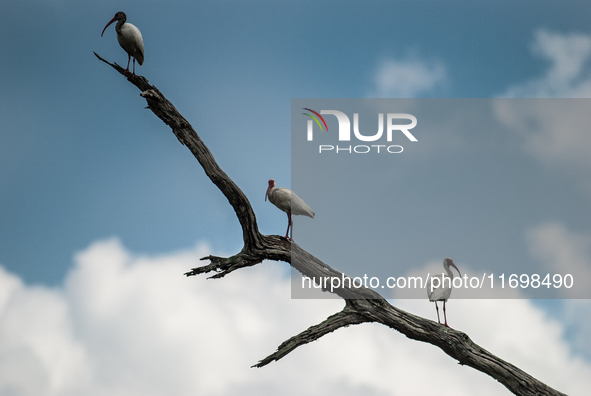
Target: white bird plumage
[(129, 38), (289, 202), (443, 291)]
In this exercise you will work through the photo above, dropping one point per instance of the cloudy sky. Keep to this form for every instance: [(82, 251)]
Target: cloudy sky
[(102, 210)]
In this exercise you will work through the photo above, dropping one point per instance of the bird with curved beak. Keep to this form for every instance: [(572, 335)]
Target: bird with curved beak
[(289, 202), (130, 39), (442, 290)]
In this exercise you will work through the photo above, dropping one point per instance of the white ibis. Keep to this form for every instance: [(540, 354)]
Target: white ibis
[(130, 39), (443, 290), (289, 202)]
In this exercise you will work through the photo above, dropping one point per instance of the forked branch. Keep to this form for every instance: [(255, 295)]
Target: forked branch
[(362, 304)]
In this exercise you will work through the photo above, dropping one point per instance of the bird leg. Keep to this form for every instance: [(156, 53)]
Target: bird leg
[(128, 60), (134, 65), (289, 224), (437, 309), (444, 314)]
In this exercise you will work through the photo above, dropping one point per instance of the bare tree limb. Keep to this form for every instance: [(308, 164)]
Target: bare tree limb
[(348, 316), (187, 136), (362, 304)]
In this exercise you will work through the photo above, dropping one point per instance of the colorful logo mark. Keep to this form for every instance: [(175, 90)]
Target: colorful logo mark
[(316, 119)]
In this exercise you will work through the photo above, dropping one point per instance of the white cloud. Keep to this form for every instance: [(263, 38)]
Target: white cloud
[(407, 79), (123, 325), (555, 131), (563, 252), (568, 75), (576, 315), (38, 350)]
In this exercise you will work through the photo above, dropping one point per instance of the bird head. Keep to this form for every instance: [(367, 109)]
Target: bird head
[(449, 263), (271, 185), (120, 16)]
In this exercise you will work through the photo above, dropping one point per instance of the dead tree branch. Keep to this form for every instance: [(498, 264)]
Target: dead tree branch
[(362, 304)]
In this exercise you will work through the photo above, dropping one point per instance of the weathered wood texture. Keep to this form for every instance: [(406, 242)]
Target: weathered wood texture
[(361, 304)]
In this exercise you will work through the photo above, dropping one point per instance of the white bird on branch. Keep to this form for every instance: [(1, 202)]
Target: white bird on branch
[(130, 39), (289, 202), (442, 288)]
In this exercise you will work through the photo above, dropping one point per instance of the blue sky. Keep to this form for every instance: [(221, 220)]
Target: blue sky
[(88, 175), (82, 160)]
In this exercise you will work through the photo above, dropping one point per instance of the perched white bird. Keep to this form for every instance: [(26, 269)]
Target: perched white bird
[(443, 290), (130, 39), (289, 202)]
